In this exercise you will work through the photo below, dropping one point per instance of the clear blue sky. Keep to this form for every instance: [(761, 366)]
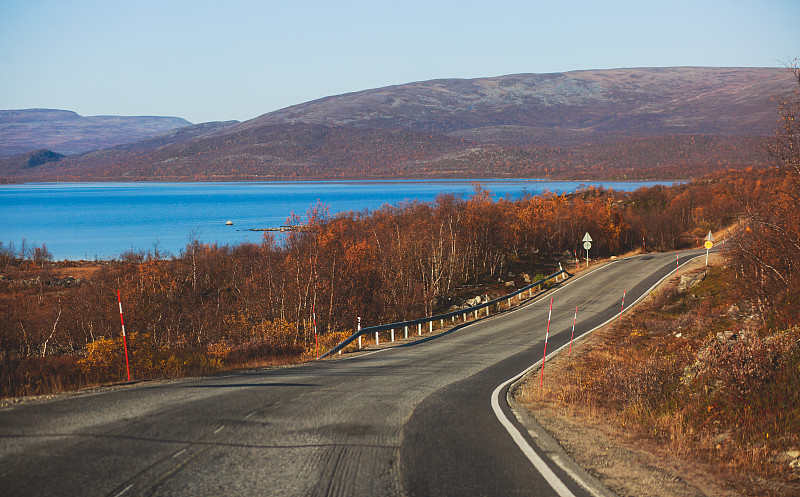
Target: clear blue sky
[(231, 59)]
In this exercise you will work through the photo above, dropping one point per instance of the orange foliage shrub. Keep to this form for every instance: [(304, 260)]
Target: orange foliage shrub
[(215, 306), (105, 359), (43, 375)]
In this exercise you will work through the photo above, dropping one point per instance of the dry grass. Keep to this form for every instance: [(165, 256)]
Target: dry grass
[(700, 375)]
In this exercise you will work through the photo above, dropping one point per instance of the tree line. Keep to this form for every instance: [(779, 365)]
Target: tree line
[(213, 305), (767, 250), (295, 151)]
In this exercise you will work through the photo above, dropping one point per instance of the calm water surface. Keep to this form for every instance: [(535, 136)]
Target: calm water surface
[(103, 220)]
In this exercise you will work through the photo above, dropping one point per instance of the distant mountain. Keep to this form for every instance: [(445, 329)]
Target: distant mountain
[(548, 108), (66, 132), (622, 123)]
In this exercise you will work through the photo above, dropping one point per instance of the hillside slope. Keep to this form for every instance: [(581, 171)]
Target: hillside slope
[(623, 123), (648, 101), (66, 132)]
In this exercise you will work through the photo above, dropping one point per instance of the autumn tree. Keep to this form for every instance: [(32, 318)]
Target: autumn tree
[(768, 251)]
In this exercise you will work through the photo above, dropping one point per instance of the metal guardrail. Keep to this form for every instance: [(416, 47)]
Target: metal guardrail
[(405, 325)]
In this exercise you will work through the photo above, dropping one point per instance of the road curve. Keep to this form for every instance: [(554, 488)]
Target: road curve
[(410, 420)]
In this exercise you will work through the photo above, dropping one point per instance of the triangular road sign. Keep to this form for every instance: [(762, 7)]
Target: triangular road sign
[(587, 238), (710, 237)]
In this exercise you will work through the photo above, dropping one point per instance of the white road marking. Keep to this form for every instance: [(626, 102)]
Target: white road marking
[(178, 453), (219, 429), (124, 490), (553, 480), (532, 456)]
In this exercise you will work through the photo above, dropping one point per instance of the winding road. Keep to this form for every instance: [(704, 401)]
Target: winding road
[(415, 420)]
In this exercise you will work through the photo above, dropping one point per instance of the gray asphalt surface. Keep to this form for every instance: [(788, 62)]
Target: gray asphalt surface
[(411, 420)]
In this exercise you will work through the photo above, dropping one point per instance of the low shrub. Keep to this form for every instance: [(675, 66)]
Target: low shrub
[(41, 375), (714, 383)]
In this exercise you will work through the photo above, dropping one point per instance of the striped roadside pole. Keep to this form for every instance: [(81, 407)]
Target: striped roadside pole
[(573, 330), (124, 338), (549, 315)]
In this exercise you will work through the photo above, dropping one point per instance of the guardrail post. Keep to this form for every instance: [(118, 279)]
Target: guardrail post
[(464, 315)]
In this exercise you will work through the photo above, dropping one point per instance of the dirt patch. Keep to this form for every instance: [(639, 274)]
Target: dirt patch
[(82, 272)]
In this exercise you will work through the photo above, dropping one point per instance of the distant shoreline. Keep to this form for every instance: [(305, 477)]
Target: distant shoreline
[(102, 220)]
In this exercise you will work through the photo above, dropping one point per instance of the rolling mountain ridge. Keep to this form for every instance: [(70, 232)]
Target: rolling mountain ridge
[(634, 123), (644, 101), (66, 132)]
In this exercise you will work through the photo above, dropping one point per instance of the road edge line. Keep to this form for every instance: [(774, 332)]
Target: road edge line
[(561, 489), (538, 463)]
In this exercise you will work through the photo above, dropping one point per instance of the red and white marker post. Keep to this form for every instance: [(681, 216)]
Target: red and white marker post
[(623, 304), (124, 339), (573, 330), (677, 262), (359, 329), (316, 338), (549, 314)]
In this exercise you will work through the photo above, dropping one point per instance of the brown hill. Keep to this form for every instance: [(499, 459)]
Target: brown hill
[(634, 123), (651, 101), (66, 132)]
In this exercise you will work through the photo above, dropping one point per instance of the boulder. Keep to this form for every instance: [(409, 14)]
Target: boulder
[(690, 280)]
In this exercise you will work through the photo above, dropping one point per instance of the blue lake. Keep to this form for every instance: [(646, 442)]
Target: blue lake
[(103, 220)]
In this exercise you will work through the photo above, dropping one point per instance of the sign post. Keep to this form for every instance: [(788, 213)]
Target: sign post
[(709, 243), (587, 244)]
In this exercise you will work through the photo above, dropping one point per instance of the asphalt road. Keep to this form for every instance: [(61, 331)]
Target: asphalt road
[(411, 420)]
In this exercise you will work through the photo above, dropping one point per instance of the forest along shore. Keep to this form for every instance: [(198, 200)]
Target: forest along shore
[(214, 308), (648, 406)]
